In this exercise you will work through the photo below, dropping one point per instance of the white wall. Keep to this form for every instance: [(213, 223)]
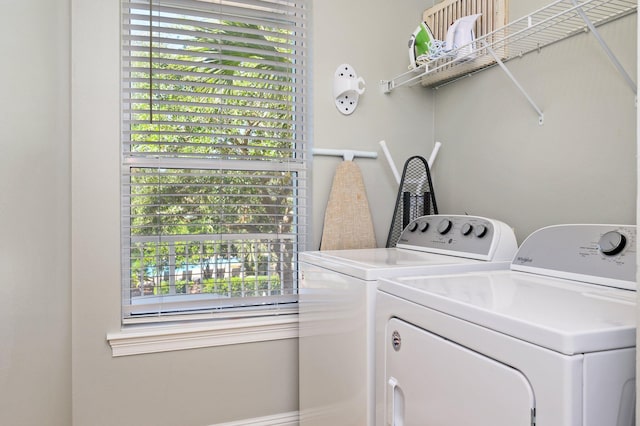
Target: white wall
[(35, 314), (579, 166)]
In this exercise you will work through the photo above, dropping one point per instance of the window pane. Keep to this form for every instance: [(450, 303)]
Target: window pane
[(212, 86), (203, 202)]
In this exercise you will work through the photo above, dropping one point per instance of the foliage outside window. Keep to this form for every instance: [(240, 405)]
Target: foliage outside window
[(214, 181)]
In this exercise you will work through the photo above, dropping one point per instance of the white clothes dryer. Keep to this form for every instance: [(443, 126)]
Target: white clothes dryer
[(337, 294), (550, 342)]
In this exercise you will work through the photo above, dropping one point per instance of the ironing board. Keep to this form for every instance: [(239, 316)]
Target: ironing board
[(347, 219)]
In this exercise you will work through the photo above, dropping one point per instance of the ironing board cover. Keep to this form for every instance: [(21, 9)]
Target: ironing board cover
[(347, 219)]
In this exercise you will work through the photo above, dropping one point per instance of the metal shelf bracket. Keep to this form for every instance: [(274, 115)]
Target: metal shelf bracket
[(518, 85), (605, 47)]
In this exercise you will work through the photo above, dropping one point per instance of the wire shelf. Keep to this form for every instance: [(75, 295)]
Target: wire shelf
[(555, 22)]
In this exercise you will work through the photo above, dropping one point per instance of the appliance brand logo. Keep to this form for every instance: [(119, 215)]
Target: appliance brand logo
[(521, 259)]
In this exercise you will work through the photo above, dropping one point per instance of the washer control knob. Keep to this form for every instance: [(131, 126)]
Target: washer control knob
[(424, 226), (466, 228), (480, 231), (413, 226), (444, 226), (612, 243)]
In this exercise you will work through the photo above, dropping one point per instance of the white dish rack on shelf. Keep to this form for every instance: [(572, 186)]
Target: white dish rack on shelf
[(550, 24)]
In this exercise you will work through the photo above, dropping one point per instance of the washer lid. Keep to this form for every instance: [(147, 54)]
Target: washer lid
[(372, 264), (562, 315)]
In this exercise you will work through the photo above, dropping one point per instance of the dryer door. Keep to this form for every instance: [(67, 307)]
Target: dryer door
[(431, 381)]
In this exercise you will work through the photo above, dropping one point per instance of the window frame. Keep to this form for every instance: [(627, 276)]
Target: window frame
[(158, 338), (259, 314)]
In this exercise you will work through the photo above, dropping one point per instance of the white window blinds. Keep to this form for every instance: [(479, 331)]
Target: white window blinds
[(214, 135)]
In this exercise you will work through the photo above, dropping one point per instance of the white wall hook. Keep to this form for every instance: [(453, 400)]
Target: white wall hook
[(347, 87)]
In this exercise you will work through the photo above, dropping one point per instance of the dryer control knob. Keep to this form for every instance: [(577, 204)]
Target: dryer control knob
[(612, 243), (466, 229), (413, 226), (444, 226), (480, 231), (424, 226)]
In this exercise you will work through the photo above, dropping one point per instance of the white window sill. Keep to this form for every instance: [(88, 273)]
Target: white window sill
[(139, 340)]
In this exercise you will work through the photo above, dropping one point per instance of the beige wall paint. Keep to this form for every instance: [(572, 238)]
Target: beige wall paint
[(579, 166), (637, 208), (371, 36), (191, 387), (209, 386), (35, 314), (512, 169)]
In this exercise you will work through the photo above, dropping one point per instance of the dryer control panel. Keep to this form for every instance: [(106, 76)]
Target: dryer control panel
[(598, 254), (460, 235)]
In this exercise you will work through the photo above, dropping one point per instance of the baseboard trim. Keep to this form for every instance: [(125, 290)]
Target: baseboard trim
[(283, 419)]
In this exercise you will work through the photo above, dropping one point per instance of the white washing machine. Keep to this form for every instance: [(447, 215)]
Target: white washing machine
[(550, 342), (337, 297)]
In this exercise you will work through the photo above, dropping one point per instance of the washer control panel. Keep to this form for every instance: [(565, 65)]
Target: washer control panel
[(460, 235), (600, 254)]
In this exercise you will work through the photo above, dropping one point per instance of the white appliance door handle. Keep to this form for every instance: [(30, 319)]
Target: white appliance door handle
[(395, 403)]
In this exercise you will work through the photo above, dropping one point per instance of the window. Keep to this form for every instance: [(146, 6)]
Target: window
[(214, 164)]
